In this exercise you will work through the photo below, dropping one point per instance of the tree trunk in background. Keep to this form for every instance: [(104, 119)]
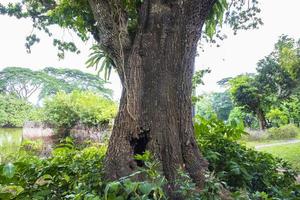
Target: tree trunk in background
[(261, 119), (155, 107)]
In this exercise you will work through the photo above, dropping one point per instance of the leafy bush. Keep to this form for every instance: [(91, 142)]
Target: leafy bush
[(240, 168), (65, 110), (284, 132), (277, 117), (13, 111), (68, 174), (78, 174), (32, 147)]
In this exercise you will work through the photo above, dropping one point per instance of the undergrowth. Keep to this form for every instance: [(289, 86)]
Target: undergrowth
[(72, 173)]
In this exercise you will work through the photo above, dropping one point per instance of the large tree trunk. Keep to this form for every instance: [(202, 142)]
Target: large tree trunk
[(155, 108), (261, 119)]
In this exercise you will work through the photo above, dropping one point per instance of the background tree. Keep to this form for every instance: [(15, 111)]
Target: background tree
[(222, 104), (22, 82), (287, 51), (68, 80), (13, 111), (245, 94), (273, 80), (152, 44), (25, 83)]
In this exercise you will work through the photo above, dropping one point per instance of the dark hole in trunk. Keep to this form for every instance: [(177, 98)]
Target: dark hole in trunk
[(139, 145)]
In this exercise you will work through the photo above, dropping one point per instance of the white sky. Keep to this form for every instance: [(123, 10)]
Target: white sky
[(237, 54)]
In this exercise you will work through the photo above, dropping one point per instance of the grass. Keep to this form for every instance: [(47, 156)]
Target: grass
[(253, 143), (289, 152)]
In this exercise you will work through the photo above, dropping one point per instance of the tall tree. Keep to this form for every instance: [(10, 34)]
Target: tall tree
[(272, 79), (152, 44), (68, 80), (246, 94), (22, 82)]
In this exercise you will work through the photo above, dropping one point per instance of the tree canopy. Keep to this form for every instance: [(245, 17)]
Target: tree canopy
[(24, 82), (275, 83), (117, 23)]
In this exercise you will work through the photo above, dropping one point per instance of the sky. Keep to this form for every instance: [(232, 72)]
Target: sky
[(237, 54)]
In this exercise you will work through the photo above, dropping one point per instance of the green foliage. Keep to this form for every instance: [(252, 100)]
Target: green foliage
[(288, 51), (291, 108), (273, 79), (277, 117), (65, 110), (24, 82), (222, 104), (284, 132), (152, 188), (288, 152), (72, 173), (13, 111), (215, 17), (241, 118), (76, 174), (239, 15), (214, 104), (244, 93), (275, 87), (77, 15), (132, 9), (21, 82), (196, 81), (240, 168), (68, 174), (204, 107), (68, 14), (32, 147), (97, 56), (68, 80)]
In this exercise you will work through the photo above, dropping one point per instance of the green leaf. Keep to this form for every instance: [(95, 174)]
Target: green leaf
[(146, 188), (10, 192)]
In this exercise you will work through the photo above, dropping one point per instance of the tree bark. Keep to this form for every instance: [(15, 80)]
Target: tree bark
[(261, 119), (155, 111)]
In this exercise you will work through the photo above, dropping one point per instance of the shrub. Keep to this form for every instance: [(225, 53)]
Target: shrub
[(277, 117), (240, 168), (69, 174), (32, 147), (13, 111), (65, 110), (78, 174), (284, 132)]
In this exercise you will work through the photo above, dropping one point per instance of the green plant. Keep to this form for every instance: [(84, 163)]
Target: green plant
[(69, 174), (241, 168), (284, 132), (151, 188), (288, 152), (65, 110), (13, 111), (277, 117), (33, 147)]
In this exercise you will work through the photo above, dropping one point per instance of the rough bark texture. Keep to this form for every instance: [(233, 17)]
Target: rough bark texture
[(261, 119), (156, 72)]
